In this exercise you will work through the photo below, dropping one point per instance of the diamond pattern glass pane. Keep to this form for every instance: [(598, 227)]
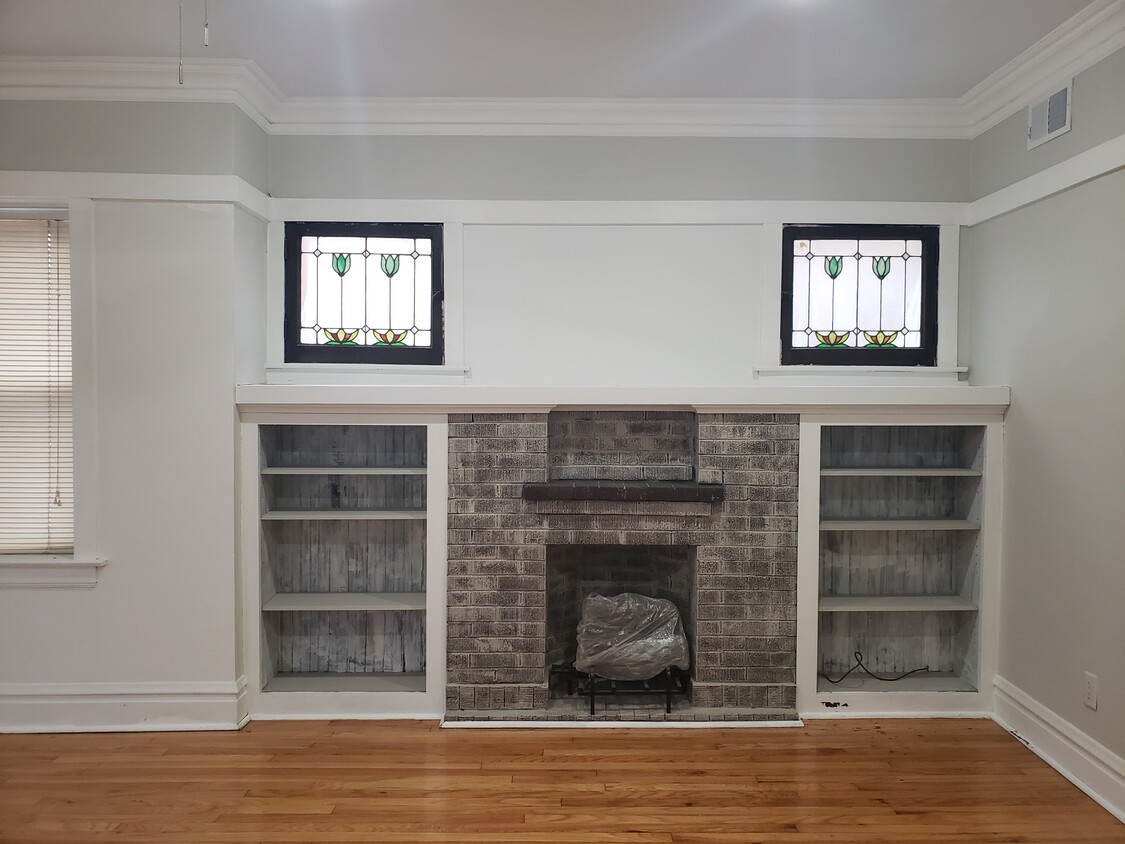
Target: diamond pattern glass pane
[(366, 291)]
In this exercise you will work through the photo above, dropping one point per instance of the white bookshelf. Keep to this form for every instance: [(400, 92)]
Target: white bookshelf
[(344, 560), (897, 567)]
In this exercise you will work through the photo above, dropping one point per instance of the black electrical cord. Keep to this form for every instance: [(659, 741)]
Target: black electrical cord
[(859, 664)]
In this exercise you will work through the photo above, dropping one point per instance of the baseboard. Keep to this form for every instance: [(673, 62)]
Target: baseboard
[(118, 707), (837, 714), (1091, 766)]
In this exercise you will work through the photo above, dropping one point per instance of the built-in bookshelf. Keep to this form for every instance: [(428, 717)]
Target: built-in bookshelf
[(900, 556), (343, 557)]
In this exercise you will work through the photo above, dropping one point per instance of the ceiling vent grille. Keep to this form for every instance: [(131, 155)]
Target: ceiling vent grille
[(1049, 117)]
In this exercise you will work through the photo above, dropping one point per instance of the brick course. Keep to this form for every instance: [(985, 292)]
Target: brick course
[(745, 547)]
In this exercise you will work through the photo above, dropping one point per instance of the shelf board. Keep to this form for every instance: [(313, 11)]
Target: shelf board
[(345, 602), (340, 515), (898, 524), (383, 682), (896, 603), (891, 472), (343, 470), (929, 681)]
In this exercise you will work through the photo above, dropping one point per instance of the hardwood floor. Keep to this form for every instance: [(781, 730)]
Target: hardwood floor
[(832, 781)]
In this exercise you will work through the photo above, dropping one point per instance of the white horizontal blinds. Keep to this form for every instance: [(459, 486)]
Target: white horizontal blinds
[(36, 405)]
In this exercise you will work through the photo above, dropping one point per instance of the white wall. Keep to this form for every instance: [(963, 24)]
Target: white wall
[(157, 633), (1046, 309), (612, 305)]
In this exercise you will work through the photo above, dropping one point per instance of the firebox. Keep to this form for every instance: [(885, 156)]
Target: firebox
[(575, 571)]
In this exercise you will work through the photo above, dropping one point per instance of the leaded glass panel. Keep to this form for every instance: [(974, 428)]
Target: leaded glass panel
[(371, 288), (860, 294)]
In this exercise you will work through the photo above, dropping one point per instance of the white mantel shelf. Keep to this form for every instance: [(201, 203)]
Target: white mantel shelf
[(319, 398)]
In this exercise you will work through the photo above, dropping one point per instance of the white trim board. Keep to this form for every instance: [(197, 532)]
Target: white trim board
[(49, 572), (118, 707), (1105, 158), (1091, 766), (1078, 43)]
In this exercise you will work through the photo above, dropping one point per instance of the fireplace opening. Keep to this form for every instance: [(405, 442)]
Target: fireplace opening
[(575, 571)]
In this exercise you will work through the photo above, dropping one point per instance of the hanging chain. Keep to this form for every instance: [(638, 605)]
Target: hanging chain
[(206, 26), (181, 42)]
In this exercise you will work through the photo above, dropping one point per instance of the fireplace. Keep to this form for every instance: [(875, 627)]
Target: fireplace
[(575, 571), (698, 508)]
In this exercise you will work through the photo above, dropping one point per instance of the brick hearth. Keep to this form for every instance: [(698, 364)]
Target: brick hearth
[(745, 551)]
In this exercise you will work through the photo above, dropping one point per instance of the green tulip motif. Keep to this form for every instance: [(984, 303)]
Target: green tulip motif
[(834, 266), (881, 267), (341, 264), (390, 265)]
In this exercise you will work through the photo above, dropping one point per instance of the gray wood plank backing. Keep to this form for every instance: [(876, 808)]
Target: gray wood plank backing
[(347, 556), (897, 497), (346, 642), (901, 446), (344, 445), (893, 643), (346, 492), (898, 563)]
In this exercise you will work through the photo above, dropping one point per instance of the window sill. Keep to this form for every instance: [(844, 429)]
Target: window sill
[(951, 373), (48, 571), (362, 373)]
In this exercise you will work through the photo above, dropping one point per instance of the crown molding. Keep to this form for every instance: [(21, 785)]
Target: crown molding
[(1076, 45), (97, 79), (1091, 35)]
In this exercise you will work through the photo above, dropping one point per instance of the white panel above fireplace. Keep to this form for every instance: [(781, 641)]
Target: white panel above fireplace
[(621, 306)]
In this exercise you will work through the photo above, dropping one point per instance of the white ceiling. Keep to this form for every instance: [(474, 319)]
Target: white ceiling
[(824, 49)]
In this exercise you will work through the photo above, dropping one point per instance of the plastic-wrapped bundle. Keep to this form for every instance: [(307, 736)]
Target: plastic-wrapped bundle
[(630, 637)]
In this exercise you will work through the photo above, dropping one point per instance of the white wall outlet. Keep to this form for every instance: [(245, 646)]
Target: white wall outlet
[(1090, 698)]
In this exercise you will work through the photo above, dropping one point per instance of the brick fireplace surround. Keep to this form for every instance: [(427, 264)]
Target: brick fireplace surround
[(744, 612)]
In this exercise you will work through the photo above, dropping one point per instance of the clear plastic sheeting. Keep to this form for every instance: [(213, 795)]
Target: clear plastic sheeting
[(630, 637)]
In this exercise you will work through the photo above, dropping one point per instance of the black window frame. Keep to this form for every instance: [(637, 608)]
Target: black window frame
[(924, 355), (298, 352)]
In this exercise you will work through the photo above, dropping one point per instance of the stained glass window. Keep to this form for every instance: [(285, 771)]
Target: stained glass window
[(363, 293), (859, 295)]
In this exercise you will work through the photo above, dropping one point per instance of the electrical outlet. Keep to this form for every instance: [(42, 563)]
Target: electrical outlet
[(1091, 696)]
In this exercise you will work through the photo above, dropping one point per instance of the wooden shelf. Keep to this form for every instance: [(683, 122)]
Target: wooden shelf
[(898, 524), (345, 602), (891, 472), (343, 470), (381, 682), (896, 603), (340, 515), (928, 681)]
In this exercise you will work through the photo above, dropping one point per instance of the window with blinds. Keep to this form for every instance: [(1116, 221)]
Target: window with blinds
[(36, 414)]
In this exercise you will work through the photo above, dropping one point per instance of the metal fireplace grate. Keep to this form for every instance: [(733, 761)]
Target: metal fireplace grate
[(671, 681)]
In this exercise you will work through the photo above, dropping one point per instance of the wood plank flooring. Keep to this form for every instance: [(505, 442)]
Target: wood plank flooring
[(861, 782)]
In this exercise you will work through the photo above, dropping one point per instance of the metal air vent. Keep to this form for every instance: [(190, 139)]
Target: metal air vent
[(1049, 117)]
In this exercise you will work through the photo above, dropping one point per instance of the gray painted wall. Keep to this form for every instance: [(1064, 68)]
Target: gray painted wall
[(1000, 156), (618, 168), (183, 138), (251, 152), (218, 139), (1046, 309)]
